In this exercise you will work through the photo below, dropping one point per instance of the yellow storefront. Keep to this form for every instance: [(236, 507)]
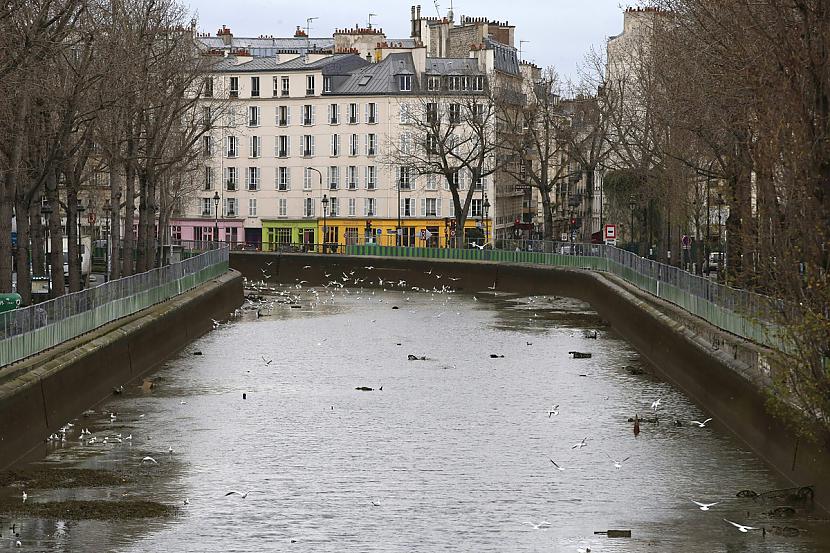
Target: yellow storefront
[(414, 232)]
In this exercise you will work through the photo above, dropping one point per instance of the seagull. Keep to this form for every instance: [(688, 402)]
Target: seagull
[(741, 527), (540, 525), (170, 450), (18, 544), (554, 411), (704, 506), (306, 266), (25, 495), (656, 403), (234, 492), (493, 287), (149, 459), (267, 361), (369, 267), (186, 501), (702, 424), (618, 464), (557, 466), (375, 504), (580, 445)]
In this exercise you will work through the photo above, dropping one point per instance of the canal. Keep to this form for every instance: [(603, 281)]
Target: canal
[(454, 452)]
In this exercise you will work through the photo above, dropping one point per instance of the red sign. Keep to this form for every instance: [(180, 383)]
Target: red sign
[(91, 217), (610, 232)]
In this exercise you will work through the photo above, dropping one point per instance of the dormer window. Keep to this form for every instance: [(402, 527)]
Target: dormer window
[(309, 85), (434, 83), (326, 84), (405, 83)]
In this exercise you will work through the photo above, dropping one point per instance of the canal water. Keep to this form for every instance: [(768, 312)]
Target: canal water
[(449, 453)]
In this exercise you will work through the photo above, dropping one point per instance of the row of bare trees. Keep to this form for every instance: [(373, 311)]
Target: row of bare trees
[(731, 99), (91, 89)]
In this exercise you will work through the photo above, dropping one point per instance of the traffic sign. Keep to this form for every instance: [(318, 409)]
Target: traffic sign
[(91, 217), (686, 242), (610, 232)]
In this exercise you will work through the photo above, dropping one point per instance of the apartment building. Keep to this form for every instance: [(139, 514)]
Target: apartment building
[(301, 145)]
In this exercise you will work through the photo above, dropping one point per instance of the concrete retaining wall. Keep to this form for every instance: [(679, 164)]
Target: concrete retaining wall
[(52, 388), (729, 390)]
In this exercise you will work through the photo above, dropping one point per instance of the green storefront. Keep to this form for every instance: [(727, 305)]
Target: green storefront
[(282, 234)]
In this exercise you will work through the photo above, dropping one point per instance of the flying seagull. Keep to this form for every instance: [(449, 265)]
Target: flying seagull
[(234, 492), (555, 410), (556, 465), (702, 424), (741, 527), (149, 460), (656, 403), (618, 464), (580, 445), (704, 506)]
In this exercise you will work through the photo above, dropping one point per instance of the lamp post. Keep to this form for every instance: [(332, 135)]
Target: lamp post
[(216, 216), (325, 202), (80, 210), (721, 242), (398, 229), (486, 207), (46, 211), (631, 205)]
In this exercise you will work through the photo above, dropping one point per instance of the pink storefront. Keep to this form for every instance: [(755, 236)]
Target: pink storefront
[(201, 229)]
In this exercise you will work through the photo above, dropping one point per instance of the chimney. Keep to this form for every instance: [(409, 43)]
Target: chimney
[(226, 35), (299, 33)]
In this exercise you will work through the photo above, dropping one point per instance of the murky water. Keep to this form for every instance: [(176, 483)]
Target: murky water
[(453, 454)]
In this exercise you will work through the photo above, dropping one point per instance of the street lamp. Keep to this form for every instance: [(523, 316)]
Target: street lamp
[(107, 208), (325, 202), (398, 229), (721, 243), (486, 207), (216, 216), (81, 210), (46, 211), (632, 205)]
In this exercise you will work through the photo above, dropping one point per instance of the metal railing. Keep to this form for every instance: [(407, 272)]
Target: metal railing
[(31, 330)]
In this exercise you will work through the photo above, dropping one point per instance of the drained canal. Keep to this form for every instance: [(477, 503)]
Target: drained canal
[(454, 452)]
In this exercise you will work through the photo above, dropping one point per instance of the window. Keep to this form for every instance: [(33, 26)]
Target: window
[(432, 183), (371, 177), (309, 85), (279, 235), (256, 146), (284, 90), (207, 208), (283, 116), (233, 146), (253, 178), (275, 88), (208, 178), (207, 119), (308, 207), (352, 177), (475, 208), (283, 208), (253, 116), (351, 212), (334, 207), (306, 178), (207, 145), (335, 145), (407, 207), (406, 143), (454, 83), (234, 87), (405, 178), (251, 207), (231, 235), (432, 113), (308, 115), (176, 233), (479, 182), (353, 114), (455, 113), (364, 80), (477, 111), (478, 83), (334, 177), (433, 83), (431, 207), (326, 84), (432, 144), (371, 144), (232, 116), (334, 114), (353, 145), (371, 113), (405, 114), (231, 178), (405, 83), (370, 207), (283, 179), (307, 145), (455, 180), (254, 87), (283, 146), (207, 91), (230, 207)]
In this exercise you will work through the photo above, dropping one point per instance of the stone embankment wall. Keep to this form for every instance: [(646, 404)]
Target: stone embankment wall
[(723, 375), (40, 394)]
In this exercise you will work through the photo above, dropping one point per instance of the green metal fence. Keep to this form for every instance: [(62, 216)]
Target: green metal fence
[(739, 312), (31, 330)]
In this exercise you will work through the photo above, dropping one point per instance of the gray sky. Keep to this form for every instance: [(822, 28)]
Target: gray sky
[(560, 31)]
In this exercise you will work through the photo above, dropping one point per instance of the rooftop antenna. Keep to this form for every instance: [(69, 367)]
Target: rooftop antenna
[(521, 42), (371, 15), (437, 9), (308, 32), (450, 14)]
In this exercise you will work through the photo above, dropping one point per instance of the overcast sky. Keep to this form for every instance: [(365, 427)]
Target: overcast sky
[(559, 32)]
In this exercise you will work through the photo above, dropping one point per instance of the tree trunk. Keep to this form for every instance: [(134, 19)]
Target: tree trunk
[(38, 255), (141, 250), (8, 197), (23, 256), (114, 238), (55, 236), (547, 208), (73, 252), (128, 251)]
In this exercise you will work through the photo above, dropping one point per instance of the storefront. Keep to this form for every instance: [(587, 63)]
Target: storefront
[(201, 230)]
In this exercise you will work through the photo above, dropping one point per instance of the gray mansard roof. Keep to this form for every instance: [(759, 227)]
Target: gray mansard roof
[(268, 47), (452, 66), (505, 57), (337, 64), (379, 78)]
